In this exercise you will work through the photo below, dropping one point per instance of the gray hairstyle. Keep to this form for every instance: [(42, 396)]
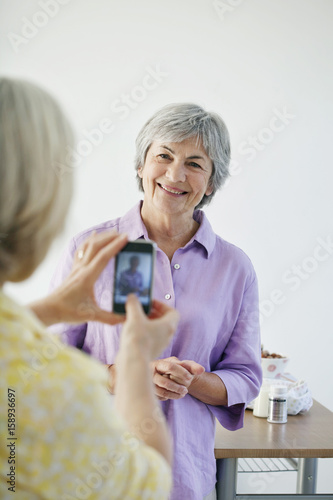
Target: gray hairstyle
[(177, 122), (34, 198)]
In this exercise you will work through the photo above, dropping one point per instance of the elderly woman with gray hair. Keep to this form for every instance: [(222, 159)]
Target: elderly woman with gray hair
[(212, 367)]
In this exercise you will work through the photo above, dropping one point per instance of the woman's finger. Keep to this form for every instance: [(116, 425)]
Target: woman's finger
[(88, 311), (192, 366), (133, 308), (109, 318), (93, 244), (173, 371), (159, 309), (106, 252), (98, 240), (163, 394), (80, 255)]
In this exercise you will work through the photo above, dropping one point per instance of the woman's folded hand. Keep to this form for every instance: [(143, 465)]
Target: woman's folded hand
[(173, 377)]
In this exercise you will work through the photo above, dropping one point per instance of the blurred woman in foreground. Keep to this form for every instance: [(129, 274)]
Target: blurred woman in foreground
[(62, 436)]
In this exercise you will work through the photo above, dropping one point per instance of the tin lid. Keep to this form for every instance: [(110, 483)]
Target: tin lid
[(278, 390)]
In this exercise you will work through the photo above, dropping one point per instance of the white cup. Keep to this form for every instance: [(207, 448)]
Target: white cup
[(260, 408)]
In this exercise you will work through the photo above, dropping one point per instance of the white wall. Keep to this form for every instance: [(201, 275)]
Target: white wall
[(252, 61)]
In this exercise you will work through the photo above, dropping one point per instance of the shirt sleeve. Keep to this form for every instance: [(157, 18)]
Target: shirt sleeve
[(70, 334), (74, 444), (240, 366)]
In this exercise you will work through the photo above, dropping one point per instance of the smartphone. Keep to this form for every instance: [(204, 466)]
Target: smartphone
[(134, 273)]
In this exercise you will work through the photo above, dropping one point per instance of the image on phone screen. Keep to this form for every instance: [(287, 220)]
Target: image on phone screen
[(133, 274)]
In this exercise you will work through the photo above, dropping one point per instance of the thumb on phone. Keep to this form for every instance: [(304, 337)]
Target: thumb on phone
[(133, 307), (155, 334)]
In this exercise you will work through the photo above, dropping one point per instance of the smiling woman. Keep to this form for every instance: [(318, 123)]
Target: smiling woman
[(172, 168), (212, 368), (174, 185), (207, 132)]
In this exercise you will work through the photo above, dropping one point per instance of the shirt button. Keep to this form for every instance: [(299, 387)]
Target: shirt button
[(176, 266), (167, 296)]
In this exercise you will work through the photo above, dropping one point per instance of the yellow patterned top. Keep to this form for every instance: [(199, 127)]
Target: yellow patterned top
[(61, 438)]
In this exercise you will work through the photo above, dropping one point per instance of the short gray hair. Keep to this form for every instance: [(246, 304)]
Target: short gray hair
[(34, 199), (177, 122)]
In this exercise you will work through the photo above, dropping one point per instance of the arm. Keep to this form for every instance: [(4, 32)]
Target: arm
[(240, 364), (210, 389), (74, 301), (142, 339)]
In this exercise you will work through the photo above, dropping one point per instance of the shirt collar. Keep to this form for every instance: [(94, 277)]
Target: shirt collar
[(132, 224), (205, 235)]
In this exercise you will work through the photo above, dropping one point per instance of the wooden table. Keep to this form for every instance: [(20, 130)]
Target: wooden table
[(306, 437)]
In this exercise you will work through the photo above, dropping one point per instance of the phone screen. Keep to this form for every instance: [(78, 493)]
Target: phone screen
[(134, 273)]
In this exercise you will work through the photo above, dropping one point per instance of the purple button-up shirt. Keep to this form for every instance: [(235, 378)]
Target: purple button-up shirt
[(213, 285)]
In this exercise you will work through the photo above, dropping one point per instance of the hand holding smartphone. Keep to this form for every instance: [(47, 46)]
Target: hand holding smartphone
[(134, 273)]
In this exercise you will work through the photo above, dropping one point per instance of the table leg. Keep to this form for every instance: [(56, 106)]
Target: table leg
[(307, 475), (226, 478)]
